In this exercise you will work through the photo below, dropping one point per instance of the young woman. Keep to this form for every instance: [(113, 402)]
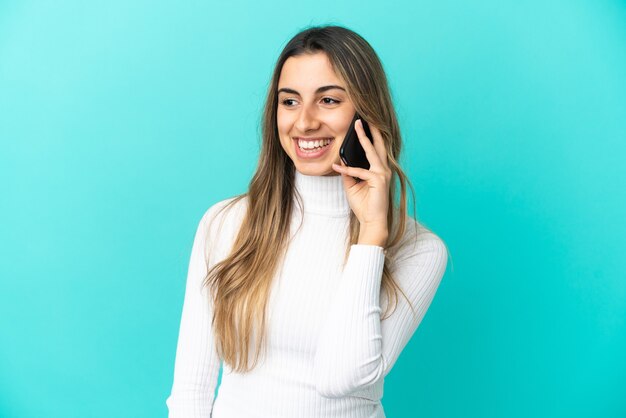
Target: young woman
[(295, 284)]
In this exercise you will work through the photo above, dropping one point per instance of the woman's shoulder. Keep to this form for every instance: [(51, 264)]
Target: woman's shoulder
[(418, 240), (225, 211), (220, 224)]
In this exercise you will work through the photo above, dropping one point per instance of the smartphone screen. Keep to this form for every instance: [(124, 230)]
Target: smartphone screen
[(351, 151)]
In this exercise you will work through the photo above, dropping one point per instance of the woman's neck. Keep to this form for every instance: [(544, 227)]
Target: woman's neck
[(323, 195)]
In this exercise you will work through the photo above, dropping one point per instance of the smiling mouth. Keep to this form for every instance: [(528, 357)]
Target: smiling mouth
[(312, 146)]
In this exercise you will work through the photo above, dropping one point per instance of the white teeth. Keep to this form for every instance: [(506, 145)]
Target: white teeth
[(313, 144)]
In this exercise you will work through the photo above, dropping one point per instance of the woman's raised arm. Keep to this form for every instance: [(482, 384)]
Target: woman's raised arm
[(355, 348)]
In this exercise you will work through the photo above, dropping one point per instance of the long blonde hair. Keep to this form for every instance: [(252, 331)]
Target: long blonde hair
[(240, 283)]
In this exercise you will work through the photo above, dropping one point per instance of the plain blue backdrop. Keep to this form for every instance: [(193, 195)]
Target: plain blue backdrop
[(121, 122)]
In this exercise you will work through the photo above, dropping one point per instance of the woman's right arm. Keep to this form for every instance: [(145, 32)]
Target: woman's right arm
[(197, 363)]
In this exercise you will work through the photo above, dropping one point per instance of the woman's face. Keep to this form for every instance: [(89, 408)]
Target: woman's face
[(312, 105)]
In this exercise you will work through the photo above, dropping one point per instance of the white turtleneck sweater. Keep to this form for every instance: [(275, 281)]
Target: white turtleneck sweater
[(328, 350)]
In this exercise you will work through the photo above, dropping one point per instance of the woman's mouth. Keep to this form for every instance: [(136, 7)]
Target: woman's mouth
[(312, 148)]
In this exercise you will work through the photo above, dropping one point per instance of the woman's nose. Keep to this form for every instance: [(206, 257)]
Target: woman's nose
[(307, 120)]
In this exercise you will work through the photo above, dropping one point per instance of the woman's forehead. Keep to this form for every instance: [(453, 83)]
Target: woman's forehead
[(308, 72)]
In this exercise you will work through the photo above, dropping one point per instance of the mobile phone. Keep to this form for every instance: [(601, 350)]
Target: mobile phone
[(351, 151)]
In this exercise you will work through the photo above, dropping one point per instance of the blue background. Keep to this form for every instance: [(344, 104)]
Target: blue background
[(122, 122)]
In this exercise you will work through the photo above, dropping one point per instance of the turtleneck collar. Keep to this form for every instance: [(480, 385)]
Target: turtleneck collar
[(322, 195)]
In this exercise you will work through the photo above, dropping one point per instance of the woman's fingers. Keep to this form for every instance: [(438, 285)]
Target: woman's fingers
[(361, 173), (376, 153), (370, 152), (379, 145)]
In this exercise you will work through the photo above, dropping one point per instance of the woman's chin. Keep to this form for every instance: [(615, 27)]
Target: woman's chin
[(309, 169)]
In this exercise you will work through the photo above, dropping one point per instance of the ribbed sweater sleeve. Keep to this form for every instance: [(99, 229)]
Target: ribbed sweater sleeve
[(355, 349), (197, 364)]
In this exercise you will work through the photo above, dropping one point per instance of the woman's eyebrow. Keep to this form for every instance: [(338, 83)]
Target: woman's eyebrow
[(319, 90)]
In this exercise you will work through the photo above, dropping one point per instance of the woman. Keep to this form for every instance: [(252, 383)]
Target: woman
[(304, 262)]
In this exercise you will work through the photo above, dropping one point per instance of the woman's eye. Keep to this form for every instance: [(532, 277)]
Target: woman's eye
[(333, 100), (286, 102)]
